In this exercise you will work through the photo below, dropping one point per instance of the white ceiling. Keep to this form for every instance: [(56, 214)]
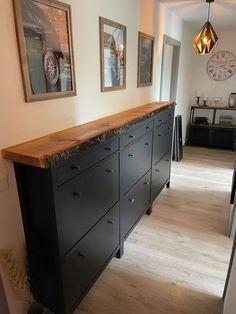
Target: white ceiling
[(223, 12)]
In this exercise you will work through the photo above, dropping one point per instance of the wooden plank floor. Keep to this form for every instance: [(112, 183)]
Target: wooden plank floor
[(175, 260)]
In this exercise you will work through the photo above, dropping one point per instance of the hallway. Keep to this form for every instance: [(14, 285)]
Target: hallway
[(177, 258)]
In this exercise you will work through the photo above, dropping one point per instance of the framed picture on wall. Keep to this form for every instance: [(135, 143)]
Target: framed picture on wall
[(112, 55), (145, 59), (44, 37)]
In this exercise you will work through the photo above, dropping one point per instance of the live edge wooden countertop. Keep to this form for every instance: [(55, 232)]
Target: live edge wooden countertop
[(52, 149)]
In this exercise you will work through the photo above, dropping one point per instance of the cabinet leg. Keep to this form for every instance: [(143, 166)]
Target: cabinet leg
[(149, 211), (36, 308), (168, 185), (120, 253)]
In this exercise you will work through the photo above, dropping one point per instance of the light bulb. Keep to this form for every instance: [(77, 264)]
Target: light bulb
[(205, 40)]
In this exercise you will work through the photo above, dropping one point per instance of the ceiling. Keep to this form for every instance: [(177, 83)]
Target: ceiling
[(223, 12)]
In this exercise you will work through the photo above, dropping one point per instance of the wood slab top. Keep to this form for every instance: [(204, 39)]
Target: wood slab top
[(54, 148), (221, 106)]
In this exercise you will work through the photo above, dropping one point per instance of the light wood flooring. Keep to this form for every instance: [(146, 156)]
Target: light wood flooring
[(175, 260)]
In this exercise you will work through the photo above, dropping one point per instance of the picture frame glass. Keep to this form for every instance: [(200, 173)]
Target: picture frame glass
[(45, 44), (113, 55), (145, 62)]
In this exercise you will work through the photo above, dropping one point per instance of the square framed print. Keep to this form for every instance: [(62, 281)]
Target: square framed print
[(44, 37), (112, 55), (145, 59)]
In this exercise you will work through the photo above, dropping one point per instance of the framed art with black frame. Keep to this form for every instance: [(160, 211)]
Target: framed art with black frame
[(112, 55), (145, 60), (44, 37)]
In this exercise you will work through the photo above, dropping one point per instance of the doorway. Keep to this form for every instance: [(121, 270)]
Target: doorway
[(169, 68)]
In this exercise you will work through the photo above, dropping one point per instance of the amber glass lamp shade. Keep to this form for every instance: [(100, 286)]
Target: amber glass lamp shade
[(205, 40)]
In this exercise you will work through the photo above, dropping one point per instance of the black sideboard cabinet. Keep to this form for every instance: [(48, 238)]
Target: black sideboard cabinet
[(78, 213), (211, 134)]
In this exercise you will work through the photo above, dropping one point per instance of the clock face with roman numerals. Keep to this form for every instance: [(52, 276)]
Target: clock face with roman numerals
[(221, 66)]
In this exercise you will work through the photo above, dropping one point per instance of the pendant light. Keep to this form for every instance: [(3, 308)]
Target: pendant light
[(206, 39)]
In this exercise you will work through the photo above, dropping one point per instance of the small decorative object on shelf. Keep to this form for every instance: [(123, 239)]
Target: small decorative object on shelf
[(201, 120), (198, 98), (232, 100), (204, 102), (226, 120), (216, 101)]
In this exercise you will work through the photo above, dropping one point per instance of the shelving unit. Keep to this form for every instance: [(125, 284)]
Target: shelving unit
[(212, 134)]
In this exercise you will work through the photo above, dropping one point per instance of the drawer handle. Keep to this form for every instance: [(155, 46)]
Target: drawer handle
[(80, 255), (131, 155), (169, 128), (170, 114), (110, 222), (77, 194), (159, 134), (160, 120), (74, 167), (131, 136), (109, 148), (146, 183), (157, 170), (131, 200), (147, 127), (110, 170), (168, 160), (147, 144)]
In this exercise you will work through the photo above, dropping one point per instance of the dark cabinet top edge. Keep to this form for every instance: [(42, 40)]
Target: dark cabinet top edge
[(52, 149)]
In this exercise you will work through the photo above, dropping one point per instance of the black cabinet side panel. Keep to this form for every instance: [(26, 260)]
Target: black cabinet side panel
[(37, 208)]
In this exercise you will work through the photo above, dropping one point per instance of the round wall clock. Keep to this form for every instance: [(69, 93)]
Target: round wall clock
[(221, 66)]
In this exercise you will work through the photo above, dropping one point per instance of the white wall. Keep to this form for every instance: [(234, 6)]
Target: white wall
[(20, 121), (209, 87), (171, 25), (185, 82), (202, 81), (167, 60)]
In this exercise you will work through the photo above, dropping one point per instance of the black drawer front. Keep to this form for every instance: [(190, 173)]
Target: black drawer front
[(160, 174), (162, 140), (137, 161), (164, 116), (199, 135), (84, 200), (134, 204), (132, 135), (223, 137), (86, 160), (85, 261)]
